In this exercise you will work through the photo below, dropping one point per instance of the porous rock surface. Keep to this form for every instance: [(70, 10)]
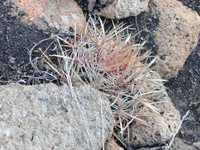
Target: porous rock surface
[(176, 35), (124, 8), (177, 144), (160, 127), (58, 14), (42, 117)]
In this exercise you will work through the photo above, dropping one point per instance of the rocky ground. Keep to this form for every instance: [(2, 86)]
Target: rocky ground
[(17, 38)]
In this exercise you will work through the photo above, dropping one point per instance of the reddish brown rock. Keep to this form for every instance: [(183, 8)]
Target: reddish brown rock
[(176, 35), (60, 14), (112, 145), (159, 128)]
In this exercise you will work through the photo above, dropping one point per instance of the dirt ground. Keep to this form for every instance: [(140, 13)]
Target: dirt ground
[(16, 39)]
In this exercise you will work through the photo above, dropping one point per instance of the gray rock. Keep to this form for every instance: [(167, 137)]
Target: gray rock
[(42, 117), (124, 8), (91, 3), (103, 2), (178, 144)]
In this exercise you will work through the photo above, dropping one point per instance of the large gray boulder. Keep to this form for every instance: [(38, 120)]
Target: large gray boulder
[(43, 117)]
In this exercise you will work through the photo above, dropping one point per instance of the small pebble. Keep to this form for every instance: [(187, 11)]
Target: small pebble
[(21, 13)]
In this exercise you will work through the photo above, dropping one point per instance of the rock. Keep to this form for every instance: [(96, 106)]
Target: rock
[(91, 4), (47, 117), (59, 14), (178, 144), (124, 8), (112, 145), (160, 127), (197, 145), (176, 36), (103, 2)]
